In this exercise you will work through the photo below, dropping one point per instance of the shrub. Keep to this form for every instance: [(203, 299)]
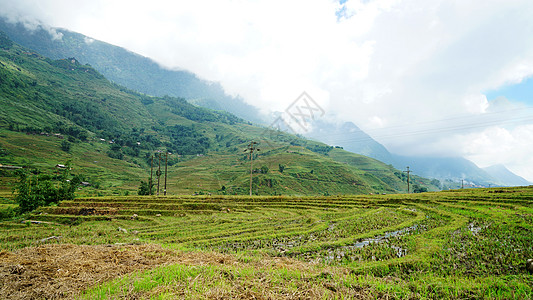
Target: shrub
[(41, 190), (65, 146), (144, 189), (264, 170)]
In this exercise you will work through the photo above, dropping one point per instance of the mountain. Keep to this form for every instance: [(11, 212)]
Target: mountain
[(350, 137), (58, 111), (129, 69), (142, 74), (449, 169), (454, 169), (505, 176)]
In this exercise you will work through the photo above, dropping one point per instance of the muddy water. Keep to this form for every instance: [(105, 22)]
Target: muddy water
[(344, 251), (358, 252)]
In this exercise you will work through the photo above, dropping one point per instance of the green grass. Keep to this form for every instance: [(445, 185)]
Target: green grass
[(306, 172), (453, 245)]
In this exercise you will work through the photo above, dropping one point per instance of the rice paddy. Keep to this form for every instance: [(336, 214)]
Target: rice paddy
[(455, 244)]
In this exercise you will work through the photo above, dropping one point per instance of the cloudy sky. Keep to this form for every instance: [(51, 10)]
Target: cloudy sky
[(423, 77)]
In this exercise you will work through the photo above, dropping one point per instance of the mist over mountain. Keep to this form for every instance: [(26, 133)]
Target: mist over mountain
[(505, 176), (454, 169), (350, 137), (128, 69), (61, 110), (142, 74)]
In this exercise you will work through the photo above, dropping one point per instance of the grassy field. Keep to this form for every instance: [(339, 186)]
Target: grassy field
[(467, 244)]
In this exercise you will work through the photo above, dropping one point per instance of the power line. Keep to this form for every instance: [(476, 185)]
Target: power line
[(384, 133), (424, 131), (458, 117)]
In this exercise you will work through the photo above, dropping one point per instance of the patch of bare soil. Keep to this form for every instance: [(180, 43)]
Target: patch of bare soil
[(57, 271)]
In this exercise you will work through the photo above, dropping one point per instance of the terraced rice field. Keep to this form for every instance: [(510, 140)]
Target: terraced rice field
[(459, 244)]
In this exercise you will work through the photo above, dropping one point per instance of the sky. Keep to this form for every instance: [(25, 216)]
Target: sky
[(422, 77)]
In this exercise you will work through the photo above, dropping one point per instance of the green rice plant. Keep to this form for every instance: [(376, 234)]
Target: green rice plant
[(446, 245)]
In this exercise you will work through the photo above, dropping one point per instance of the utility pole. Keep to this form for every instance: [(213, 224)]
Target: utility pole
[(251, 148), (408, 178), (462, 184), (151, 172), (158, 173), (166, 164)]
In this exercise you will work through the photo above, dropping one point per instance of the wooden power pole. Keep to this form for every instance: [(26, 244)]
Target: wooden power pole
[(251, 148), (408, 178), (166, 165), (158, 173), (151, 175)]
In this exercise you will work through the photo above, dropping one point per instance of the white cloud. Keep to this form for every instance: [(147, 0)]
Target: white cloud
[(383, 64), (511, 148), (88, 40)]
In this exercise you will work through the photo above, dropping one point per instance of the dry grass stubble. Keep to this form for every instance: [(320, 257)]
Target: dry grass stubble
[(59, 271)]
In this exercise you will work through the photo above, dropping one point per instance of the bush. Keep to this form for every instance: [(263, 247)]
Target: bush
[(419, 189), (144, 189), (264, 170), (41, 190), (65, 146), (7, 213)]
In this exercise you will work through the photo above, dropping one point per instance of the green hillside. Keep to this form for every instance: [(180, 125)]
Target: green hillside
[(129, 69), (58, 111)]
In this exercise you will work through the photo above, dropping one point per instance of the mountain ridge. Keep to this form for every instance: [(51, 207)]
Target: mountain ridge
[(506, 176), (110, 133), (123, 67), (452, 170)]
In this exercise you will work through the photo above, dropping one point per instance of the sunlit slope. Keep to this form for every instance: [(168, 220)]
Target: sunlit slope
[(59, 111)]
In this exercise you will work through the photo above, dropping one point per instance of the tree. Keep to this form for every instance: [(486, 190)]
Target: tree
[(436, 183), (65, 146), (264, 169), (83, 135), (418, 189), (40, 190), (115, 151), (144, 188), (24, 198), (5, 42), (281, 168)]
